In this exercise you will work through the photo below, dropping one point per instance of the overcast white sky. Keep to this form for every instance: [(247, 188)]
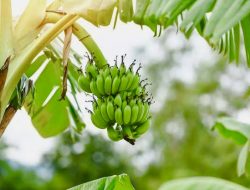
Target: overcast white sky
[(28, 146)]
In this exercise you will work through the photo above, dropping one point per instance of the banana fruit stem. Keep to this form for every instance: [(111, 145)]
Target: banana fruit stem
[(83, 36)]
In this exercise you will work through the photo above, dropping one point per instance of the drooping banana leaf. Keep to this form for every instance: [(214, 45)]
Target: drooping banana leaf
[(50, 115), (219, 22)]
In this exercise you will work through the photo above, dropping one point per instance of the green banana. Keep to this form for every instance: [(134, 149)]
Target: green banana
[(126, 114), (141, 129), (124, 83), (104, 112), (101, 72), (118, 100), (132, 102), (93, 88), (106, 72), (116, 85), (124, 103), (87, 67), (95, 106), (133, 127), (84, 83), (100, 84), (118, 116), (141, 111), (108, 85), (99, 115), (146, 113), (127, 132), (91, 69), (111, 111), (98, 122), (129, 93), (136, 135), (113, 134), (124, 95), (114, 72), (99, 102), (111, 99), (134, 114), (138, 91), (135, 83), (122, 69), (130, 77)]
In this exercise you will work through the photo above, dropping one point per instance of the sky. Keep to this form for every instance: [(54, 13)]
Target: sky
[(27, 146)]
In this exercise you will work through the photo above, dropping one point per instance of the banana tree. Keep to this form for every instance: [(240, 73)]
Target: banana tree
[(28, 48), (28, 45)]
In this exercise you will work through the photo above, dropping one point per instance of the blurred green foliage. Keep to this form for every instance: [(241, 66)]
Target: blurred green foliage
[(16, 177), (179, 144), (89, 158)]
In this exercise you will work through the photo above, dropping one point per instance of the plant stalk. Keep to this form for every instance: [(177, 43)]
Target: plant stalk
[(83, 36)]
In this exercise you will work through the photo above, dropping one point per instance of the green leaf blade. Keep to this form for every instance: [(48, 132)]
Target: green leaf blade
[(196, 13), (231, 17), (141, 8), (246, 31), (201, 183), (36, 64), (116, 182), (233, 129), (53, 118), (219, 10), (242, 159), (50, 116), (126, 10), (240, 133)]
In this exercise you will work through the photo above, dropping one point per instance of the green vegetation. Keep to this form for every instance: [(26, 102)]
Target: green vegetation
[(180, 143)]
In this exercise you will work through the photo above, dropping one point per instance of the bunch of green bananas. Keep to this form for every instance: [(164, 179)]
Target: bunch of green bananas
[(122, 103), (108, 81)]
